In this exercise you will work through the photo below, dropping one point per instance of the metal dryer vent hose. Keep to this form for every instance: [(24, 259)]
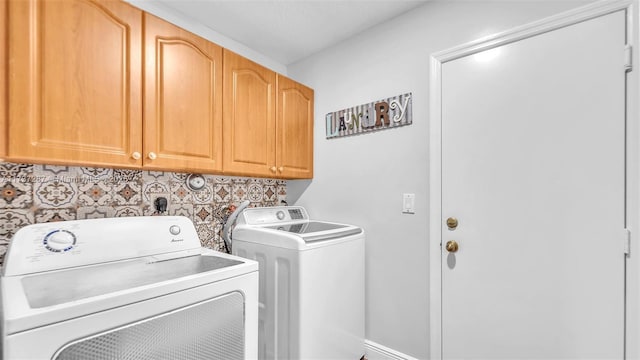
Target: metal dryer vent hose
[(226, 230)]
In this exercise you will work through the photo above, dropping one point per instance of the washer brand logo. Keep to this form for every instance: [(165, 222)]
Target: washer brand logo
[(176, 240)]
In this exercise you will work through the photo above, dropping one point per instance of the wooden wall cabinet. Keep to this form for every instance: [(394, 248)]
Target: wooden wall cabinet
[(183, 99), (267, 122), (75, 82), (294, 130), (3, 79), (249, 111)]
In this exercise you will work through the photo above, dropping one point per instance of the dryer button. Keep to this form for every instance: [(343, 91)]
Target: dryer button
[(174, 229)]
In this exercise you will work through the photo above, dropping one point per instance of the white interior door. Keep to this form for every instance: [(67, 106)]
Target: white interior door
[(533, 168)]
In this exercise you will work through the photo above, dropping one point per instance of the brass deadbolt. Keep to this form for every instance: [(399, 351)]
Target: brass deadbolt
[(452, 223), (451, 246)]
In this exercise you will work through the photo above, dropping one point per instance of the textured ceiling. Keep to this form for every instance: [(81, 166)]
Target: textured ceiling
[(289, 30)]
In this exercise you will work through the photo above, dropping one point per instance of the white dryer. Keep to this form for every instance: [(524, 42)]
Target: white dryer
[(311, 283), (125, 288)]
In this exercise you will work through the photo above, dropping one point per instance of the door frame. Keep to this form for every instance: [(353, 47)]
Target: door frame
[(632, 221)]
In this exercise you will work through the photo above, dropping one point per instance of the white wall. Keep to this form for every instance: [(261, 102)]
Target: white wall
[(179, 19), (361, 179)]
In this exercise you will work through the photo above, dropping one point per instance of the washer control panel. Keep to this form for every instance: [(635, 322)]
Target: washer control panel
[(273, 215)]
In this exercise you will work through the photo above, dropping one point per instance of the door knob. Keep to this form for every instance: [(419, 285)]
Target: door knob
[(452, 223), (451, 246), (273, 169), (152, 155), (281, 169), (136, 155)]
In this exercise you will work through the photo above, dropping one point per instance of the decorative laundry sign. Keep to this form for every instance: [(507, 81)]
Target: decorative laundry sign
[(378, 115)]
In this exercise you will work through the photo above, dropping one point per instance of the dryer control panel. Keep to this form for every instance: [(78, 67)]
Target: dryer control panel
[(58, 245)]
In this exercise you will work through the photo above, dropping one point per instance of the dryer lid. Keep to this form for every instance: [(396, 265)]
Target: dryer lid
[(63, 286)]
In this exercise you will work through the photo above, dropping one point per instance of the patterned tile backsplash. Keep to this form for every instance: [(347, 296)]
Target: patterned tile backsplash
[(43, 193)]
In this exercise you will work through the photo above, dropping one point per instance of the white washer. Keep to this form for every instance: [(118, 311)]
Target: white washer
[(125, 288), (311, 283)]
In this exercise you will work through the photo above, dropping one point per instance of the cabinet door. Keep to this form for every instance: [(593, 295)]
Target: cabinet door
[(294, 130), (183, 99), (3, 78), (249, 117), (74, 82)]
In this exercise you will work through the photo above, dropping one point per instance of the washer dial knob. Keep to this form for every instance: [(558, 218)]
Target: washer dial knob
[(59, 241), (280, 215)]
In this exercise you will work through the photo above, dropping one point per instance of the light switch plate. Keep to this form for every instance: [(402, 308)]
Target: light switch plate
[(408, 203)]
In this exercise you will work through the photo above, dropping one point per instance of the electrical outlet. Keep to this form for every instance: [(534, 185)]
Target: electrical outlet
[(157, 203)]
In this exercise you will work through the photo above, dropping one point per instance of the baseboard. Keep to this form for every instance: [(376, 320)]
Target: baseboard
[(376, 351)]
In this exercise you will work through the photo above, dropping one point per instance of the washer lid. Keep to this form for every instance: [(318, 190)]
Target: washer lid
[(59, 287), (311, 231)]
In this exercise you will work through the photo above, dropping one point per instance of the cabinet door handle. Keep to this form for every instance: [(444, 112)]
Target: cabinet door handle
[(136, 155), (273, 169), (152, 155), (281, 169)]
